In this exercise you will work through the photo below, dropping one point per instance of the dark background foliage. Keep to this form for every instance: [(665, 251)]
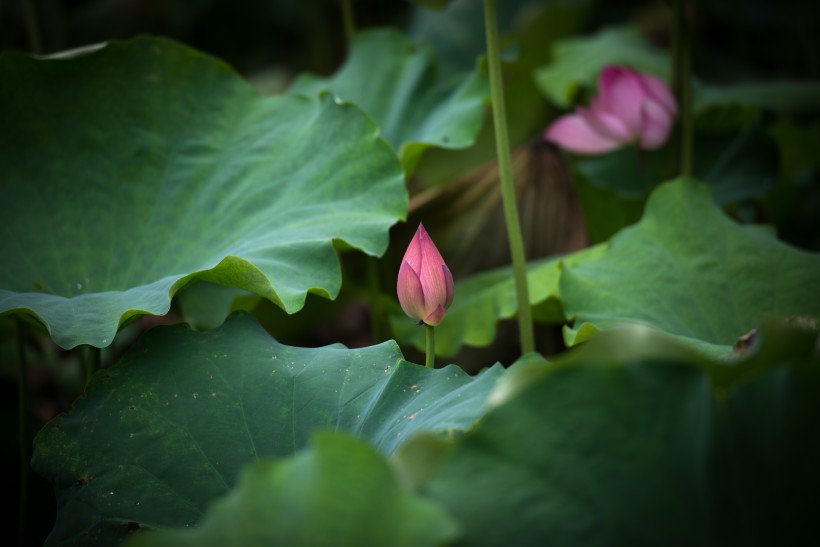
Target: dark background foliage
[(734, 38)]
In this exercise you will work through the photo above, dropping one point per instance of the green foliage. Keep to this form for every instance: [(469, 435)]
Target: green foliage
[(165, 431), (145, 178), (578, 60), (338, 492), (631, 438), (400, 86), (689, 270), (527, 29), (182, 172), (630, 441), (206, 305)]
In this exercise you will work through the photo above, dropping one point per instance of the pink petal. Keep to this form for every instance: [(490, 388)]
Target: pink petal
[(605, 124), (410, 293), (413, 253), (435, 316), (659, 92), (450, 286), (657, 122), (622, 94), (424, 282), (433, 282), (572, 132)]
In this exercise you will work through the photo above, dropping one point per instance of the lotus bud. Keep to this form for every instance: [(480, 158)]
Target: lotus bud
[(632, 107), (425, 284)]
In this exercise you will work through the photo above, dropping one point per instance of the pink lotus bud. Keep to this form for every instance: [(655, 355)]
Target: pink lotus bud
[(632, 107), (425, 285)]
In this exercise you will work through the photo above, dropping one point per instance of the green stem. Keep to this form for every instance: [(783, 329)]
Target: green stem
[(92, 362), (319, 36), (519, 262), (430, 360), (378, 313), (682, 86), (32, 27), (23, 424), (349, 21)]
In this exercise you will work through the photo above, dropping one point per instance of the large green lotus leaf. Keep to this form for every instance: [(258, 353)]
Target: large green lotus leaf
[(689, 270), (578, 60), (167, 429), (400, 86), (484, 299), (133, 169), (338, 491), (608, 448)]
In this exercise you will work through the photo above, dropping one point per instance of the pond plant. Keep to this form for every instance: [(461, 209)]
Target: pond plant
[(644, 372)]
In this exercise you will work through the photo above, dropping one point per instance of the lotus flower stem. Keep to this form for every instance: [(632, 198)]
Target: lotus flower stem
[(349, 21), (682, 86), (430, 335), (23, 424), (92, 361), (379, 326), (32, 27), (507, 188)]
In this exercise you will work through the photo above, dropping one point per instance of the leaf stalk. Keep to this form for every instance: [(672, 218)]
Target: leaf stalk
[(682, 85), (519, 263), (23, 429), (349, 20)]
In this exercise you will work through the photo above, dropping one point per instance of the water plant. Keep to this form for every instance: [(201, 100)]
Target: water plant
[(224, 283)]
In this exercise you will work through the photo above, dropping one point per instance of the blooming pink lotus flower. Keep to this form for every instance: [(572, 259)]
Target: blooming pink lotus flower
[(631, 107), (425, 284)]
